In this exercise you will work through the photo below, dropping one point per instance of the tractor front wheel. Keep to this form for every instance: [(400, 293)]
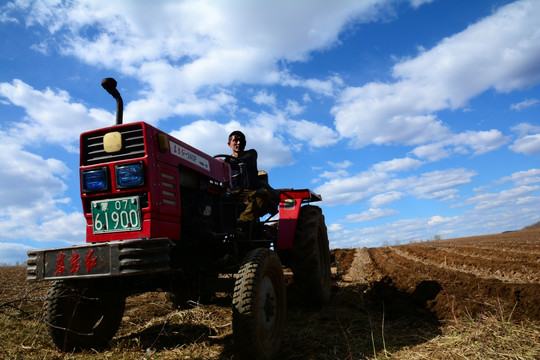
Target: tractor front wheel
[(259, 305), (310, 260), (80, 318)]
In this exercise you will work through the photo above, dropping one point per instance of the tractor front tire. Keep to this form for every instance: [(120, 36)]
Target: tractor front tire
[(310, 261), (259, 305), (79, 318)]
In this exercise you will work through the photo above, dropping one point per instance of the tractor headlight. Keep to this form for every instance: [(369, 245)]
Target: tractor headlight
[(95, 180), (129, 175)]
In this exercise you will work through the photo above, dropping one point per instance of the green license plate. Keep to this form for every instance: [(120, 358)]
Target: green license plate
[(116, 215)]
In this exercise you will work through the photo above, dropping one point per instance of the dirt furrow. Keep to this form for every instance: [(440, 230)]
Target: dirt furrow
[(503, 270), (491, 253), (459, 292)]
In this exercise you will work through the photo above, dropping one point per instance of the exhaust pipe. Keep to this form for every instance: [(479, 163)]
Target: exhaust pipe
[(109, 84)]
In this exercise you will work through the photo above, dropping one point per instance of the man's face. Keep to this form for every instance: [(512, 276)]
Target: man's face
[(237, 144)]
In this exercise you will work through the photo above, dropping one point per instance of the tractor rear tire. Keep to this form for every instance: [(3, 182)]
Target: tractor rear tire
[(310, 260), (259, 305), (79, 318)]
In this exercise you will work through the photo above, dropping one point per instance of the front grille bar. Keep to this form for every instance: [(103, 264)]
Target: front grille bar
[(132, 146)]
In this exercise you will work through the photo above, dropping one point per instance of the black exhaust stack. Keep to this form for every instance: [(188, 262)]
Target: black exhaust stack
[(109, 84)]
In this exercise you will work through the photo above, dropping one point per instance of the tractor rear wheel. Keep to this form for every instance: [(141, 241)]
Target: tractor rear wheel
[(259, 305), (80, 318), (310, 261)]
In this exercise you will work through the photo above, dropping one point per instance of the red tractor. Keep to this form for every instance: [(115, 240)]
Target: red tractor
[(160, 217)]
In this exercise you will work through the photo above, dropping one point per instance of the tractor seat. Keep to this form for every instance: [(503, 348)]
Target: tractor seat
[(263, 181)]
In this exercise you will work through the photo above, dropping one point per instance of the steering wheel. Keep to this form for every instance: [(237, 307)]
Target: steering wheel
[(224, 156)]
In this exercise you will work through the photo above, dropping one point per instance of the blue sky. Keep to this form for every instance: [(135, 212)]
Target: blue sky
[(413, 119)]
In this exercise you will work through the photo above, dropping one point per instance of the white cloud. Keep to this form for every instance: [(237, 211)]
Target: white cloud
[(437, 220), (194, 58), (526, 177), (52, 117), (524, 104), (368, 115), (371, 214), (334, 174), (32, 190), (418, 3), (528, 141), (36, 180), (340, 165), (479, 141), (504, 199), (475, 142), (294, 108), (335, 227), (263, 98), (13, 253), (315, 135), (432, 152), (439, 185), (397, 165), (179, 48), (445, 77), (211, 137), (526, 129), (528, 145), (386, 198), (510, 209), (352, 189)]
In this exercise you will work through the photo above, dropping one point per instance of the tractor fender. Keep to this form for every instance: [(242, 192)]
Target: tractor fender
[(290, 202)]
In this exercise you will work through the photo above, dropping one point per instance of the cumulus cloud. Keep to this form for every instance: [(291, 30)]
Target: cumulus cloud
[(528, 145), (38, 180), (524, 104), (264, 98), (519, 178), (13, 253), (528, 141), (294, 108), (32, 192), (526, 129), (383, 187), (52, 116), (195, 57), (315, 134), (371, 214), (340, 165), (439, 184), (396, 165), (341, 173), (468, 142), (198, 44), (386, 198), (436, 220), (211, 137), (445, 77), (504, 199)]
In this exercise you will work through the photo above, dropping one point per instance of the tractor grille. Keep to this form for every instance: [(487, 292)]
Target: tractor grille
[(150, 255), (132, 146)]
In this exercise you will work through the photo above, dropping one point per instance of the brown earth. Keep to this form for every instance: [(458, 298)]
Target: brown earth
[(451, 278), (387, 302)]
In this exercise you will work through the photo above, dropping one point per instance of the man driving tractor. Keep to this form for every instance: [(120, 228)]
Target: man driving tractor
[(245, 180)]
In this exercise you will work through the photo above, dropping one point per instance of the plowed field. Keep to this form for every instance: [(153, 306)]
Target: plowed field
[(468, 298), (451, 278)]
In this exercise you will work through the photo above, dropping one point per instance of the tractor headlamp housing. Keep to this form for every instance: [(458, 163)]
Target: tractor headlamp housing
[(95, 180), (129, 175)]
